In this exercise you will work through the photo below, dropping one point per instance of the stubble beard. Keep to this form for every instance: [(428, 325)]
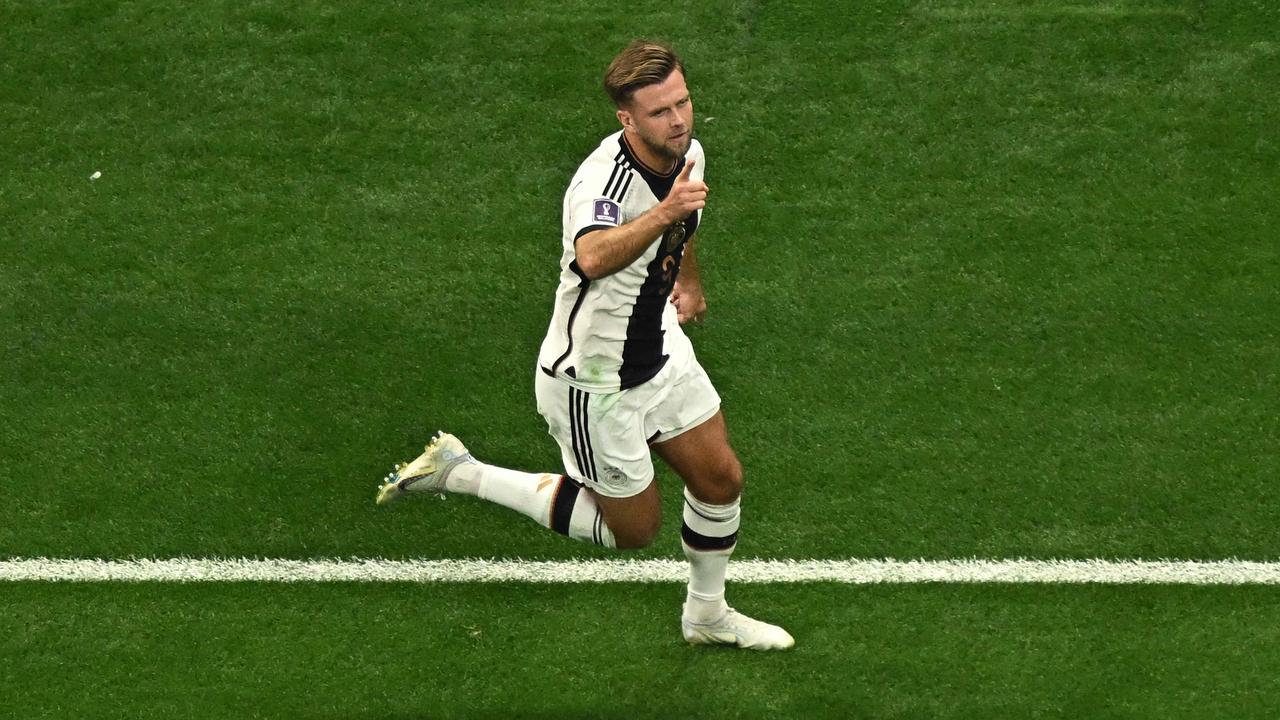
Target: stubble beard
[(664, 150)]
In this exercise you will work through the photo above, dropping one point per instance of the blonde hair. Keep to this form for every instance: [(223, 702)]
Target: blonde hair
[(640, 64)]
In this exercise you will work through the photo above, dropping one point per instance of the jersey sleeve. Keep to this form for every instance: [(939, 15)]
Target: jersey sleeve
[(589, 207)]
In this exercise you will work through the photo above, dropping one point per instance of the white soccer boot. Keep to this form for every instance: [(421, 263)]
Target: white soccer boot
[(426, 474), (737, 630)]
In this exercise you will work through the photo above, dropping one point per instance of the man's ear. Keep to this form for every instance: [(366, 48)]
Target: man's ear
[(624, 117)]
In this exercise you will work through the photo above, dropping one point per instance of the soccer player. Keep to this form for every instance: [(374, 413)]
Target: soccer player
[(617, 377)]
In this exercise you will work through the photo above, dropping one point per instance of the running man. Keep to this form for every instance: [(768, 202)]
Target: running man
[(617, 378)]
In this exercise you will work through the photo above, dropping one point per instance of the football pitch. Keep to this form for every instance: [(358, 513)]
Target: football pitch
[(988, 280)]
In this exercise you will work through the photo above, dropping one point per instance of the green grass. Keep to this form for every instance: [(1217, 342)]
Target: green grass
[(535, 651), (992, 278)]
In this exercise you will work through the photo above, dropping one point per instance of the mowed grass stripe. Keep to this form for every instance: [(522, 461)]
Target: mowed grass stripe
[(859, 572)]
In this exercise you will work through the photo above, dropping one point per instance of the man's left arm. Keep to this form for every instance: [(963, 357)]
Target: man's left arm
[(687, 293)]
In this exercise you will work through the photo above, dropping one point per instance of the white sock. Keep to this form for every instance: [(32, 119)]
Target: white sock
[(709, 535), (554, 501)]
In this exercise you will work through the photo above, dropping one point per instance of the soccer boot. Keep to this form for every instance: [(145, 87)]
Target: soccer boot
[(737, 630), (426, 474)]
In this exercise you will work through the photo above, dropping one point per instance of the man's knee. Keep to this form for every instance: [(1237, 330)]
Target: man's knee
[(733, 478), (723, 484)]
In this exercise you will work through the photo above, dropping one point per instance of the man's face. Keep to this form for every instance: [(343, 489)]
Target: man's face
[(661, 116)]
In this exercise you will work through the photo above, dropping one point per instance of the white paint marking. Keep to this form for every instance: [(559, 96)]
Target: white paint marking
[(859, 572)]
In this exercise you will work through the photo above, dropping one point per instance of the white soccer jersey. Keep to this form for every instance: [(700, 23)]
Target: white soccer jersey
[(616, 332)]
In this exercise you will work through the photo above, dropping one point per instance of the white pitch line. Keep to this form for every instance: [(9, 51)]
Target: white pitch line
[(858, 572)]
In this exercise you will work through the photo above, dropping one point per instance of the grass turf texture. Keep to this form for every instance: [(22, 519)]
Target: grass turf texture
[(446, 651), (993, 279)]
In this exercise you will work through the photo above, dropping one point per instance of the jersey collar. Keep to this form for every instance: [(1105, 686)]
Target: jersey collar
[(659, 183)]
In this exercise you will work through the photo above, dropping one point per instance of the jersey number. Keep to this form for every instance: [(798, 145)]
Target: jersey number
[(669, 270)]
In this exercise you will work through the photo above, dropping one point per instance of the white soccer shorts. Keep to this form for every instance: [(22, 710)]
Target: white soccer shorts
[(605, 437)]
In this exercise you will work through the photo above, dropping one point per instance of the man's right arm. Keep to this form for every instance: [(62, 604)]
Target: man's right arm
[(605, 252)]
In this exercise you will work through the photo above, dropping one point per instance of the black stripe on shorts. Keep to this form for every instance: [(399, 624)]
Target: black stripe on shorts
[(581, 433)]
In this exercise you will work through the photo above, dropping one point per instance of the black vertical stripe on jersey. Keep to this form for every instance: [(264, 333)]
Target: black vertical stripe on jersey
[(619, 172), (611, 190), (626, 185), (584, 283), (642, 355), (617, 167), (612, 177), (562, 505)]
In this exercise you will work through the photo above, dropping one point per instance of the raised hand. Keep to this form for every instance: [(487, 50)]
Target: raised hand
[(686, 196)]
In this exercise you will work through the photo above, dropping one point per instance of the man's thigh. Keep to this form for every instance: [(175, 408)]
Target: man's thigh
[(703, 458)]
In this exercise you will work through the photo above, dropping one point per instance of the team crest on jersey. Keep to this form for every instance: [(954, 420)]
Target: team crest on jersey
[(607, 211), (675, 236), (614, 477)]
